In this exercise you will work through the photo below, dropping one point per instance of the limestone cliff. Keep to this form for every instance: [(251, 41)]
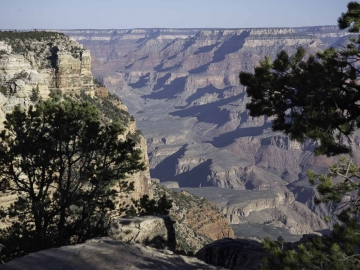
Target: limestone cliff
[(34, 63), (56, 62)]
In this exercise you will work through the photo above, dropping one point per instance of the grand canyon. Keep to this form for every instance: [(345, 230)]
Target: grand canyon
[(182, 87)]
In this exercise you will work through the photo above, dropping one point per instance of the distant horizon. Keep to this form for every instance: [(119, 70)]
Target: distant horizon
[(171, 14), (159, 28)]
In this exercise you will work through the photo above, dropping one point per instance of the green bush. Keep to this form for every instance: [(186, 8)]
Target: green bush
[(108, 108), (98, 83), (35, 94), (70, 166), (3, 90), (145, 206)]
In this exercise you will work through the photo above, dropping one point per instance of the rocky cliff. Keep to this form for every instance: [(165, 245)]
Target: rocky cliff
[(182, 87), (248, 211), (197, 221), (34, 63), (196, 72)]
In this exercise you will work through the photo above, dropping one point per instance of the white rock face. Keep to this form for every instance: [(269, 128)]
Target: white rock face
[(63, 66), (5, 47), (20, 78), (13, 64)]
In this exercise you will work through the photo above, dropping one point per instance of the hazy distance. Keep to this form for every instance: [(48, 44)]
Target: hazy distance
[(126, 14)]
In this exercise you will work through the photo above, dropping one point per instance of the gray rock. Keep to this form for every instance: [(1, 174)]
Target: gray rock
[(155, 180), (260, 231), (263, 207), (170, 184), (242, 254), (105, 254), (154, 231)]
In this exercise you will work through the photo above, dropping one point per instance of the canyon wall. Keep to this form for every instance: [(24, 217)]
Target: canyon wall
[(182, 87), (56, 63), (35, 64)]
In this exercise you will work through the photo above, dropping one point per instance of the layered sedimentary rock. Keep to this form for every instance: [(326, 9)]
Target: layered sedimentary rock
[(73, 74), (271, 208), (36, 66), (197, 221), (182, 87)]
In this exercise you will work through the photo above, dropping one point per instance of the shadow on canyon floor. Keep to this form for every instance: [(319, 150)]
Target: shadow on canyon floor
[(166, 170), (228, 138), (168, 91)]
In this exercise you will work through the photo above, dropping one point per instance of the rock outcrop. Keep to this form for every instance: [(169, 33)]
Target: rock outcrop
[(267, 208), (154, 231), (197, 221), (35, 64), (105, 253)]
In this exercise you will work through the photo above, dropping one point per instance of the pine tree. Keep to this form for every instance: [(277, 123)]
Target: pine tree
[(67, 169), (317, 98)]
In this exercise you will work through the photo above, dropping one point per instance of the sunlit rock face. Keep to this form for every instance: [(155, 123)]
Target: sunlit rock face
[(182, 86), (63, 66)]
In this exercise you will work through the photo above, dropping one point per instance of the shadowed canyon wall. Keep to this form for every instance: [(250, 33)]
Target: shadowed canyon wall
[(182, 87)]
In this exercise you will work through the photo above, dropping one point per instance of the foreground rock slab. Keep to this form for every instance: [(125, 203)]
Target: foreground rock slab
[(105, 254)]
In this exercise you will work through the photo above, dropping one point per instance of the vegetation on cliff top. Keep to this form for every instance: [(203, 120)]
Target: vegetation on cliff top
[(68, 169), (28, 35), (64, 159), (317, 98), (43, 44)]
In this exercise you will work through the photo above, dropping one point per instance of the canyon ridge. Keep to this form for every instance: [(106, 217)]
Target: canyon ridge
[(182, 87)]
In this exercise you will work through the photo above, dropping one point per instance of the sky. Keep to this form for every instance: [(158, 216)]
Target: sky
[(128, 14)]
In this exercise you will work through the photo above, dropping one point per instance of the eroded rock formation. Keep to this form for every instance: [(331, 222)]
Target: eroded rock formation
[(154, 231), (63, 65), (270, 208), (183, 88), (197, 221), (57, 63)]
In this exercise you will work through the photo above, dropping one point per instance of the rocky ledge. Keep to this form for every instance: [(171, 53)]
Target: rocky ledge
[(197, 221), (105, 254), (277, 209)]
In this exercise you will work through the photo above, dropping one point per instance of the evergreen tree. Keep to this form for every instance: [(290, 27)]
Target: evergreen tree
[(146, 206), (67, 169), (317, 98)]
